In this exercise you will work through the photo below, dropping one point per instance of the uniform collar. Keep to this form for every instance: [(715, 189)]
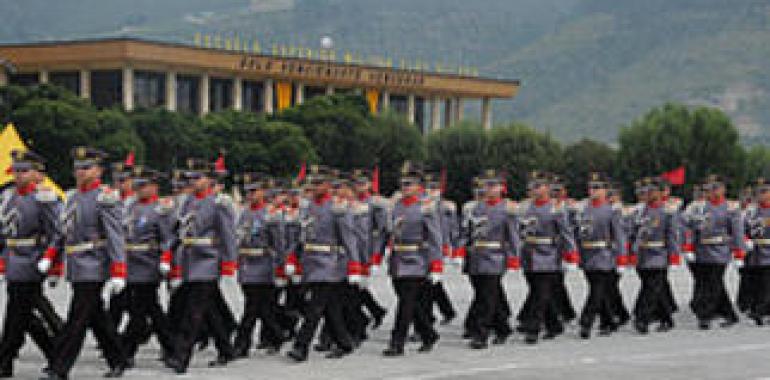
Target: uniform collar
[(204, 193), (493, 202), (764, 204), (125, 194), (655, 204), (362, 197), (26, 189), (718, 201), (409, 200), (149, 200), (89, 187), (542, 202), (257, 206), (322, 199), (598, 202)]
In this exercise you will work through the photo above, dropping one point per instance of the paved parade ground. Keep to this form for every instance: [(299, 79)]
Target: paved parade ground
[(741, 352)]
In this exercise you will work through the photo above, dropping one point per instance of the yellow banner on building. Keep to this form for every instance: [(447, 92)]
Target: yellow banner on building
[(373, 98), (283, 93), (9, 141)]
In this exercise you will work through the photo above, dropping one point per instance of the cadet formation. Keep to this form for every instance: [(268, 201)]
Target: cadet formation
[(303, 250)]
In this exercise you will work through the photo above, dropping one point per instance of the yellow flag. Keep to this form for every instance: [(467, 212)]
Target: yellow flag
[(9, 141), (373, 98), (283, 93)]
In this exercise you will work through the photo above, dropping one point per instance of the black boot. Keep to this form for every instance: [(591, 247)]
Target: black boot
[(221, 361), (585, 332), (531, 338), (641, 327), (298, 354), (115, 372), (175, 364), (478, 343), (427, 345), (338, 352), (393, 351), (378, 317)]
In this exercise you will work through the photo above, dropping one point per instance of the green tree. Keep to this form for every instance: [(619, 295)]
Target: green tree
[(396, 140), (584, 157), (462, 152), (169, 138)]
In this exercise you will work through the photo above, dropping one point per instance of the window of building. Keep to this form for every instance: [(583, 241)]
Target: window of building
[(188, 94), (67, 79), (106, 88), (419, 114), (220, 94), (314, 91), (24, 79), (253, 96), (149, 89)]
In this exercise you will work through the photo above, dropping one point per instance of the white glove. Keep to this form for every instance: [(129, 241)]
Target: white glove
[(115, 285), (355, 279), (290, 269), (571, 267), (621, 269), (175, 283), (296, 279), (44, 265), (280, 282), (2, 277), (164, 268), (749, 245), (738, 263), (458, 262), (689, 256), (434, 277), (374, 269)]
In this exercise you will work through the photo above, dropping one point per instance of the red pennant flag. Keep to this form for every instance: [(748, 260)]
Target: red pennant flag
[(129, 159), (676, 176), (302, 172), (376, 180), (219, 165), (442, 185)]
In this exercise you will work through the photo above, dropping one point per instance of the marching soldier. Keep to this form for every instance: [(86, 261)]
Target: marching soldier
[(260, 265), (149, 239), (28, 217), (717, 240), (447, 214), (656, 246), (93, 237), (562, 201), (415, 262), (602, 246), (208, 252), (328, 246), (758, 256), (494, 249), (548, 246), (123, 183)]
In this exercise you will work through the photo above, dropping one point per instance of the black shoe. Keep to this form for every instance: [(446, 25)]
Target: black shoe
[(338, 353), (52, 376), (500, 339), (448, 319), (393, 351), (729, 323), (549, 335), (220, 361), (585, 333), (6, 370), (478, 344), (531, 338), (299, 355), (115, 372), (322, 347), (704, 325), (665, 326), (262, 345), (176, 365), (641, 327), (467, 335), (622, 321), (241, 352), (414, 338), (606, 331), (427, 346), (272, 350), (378, 318)]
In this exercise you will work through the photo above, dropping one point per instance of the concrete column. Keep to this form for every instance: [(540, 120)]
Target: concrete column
[(458, 116), (85, 84), (267, 88), (410, 108), (42, 77), (329, 90), (299, 94), (435, 113), (171, 91), (128, 89), (486, 113), (385, 101), (204, 94), (237, 93)]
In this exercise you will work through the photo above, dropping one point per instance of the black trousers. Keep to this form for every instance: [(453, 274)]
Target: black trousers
[(490, 314), (199, 313), (441, 298), (352, 313), (747, 288), (119, 304), (653, 303), (370, 303), (619, 310), (761, 305), (20, 320), (564, 305), (145, 314), (411, 293), (544, 303), (710, 299), (260, 303), (502, 314), (86, 311), (324, 301), (600, 299)]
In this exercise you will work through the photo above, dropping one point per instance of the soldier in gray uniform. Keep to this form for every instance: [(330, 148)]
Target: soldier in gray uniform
[(416, 261), (757, 224), (493, 249), (656, 246), (208, 251), (259, 230), (149, 239), (717, 238), (327, 244), (602, 245), (93, 240), (547, 245), (28, 217), (447, 213), (122, 182)]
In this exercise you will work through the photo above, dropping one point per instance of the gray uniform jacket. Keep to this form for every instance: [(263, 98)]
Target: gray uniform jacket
[(717, 232), (148, 235), (495, 238), (601, 238), (758, 230), (260, 244), (655, 236), (416, 233), (546, 236)]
